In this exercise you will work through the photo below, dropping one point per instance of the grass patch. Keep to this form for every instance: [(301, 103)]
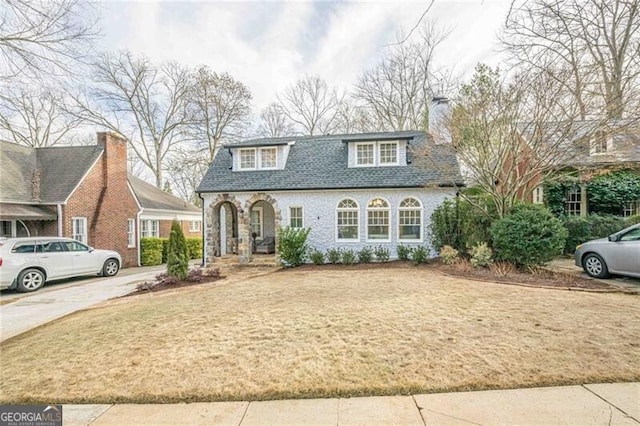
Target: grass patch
[(324, 333)]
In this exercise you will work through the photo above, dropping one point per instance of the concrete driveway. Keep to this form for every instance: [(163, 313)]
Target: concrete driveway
[(29, 310)]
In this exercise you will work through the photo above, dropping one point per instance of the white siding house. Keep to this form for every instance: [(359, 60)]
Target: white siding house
[(352, 191)]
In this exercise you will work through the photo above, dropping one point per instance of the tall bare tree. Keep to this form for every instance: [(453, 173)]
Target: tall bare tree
[(503, 134), (186, 168), (274, 123), (140, 100), (44, 36), (595, 42), (354, 118), (220, 108), (311, 105), (397, 91), (36, 118)]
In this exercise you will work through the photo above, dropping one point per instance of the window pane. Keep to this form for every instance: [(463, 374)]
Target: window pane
[(268, 158), (388, 153), (365, 154), (79, 229), (295, 217), (131, 233), (378, 224), (348, 225), (410, 224), (5, 228), (247, 158)]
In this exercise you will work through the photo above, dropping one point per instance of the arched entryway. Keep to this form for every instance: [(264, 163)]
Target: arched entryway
[(222, 227), (260, 226)]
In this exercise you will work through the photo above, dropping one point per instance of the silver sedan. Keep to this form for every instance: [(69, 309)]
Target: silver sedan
[(618, 254)]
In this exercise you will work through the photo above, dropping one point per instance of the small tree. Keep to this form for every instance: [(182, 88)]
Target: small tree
[(177, 253)]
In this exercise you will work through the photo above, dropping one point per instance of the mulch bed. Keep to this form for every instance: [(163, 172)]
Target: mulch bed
[(539, 278), (161, 283)]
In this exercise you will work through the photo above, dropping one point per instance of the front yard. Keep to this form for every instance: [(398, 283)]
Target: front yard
[(321, 333)]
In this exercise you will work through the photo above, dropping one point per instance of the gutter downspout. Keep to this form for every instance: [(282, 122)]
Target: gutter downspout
[(59, 208), (138, 235), (204, 241)]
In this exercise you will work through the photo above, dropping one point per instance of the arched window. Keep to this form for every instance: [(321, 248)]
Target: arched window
[(347, 220), (378, 219), (410, 220)]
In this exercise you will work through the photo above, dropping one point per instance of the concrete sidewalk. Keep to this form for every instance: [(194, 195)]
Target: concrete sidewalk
[(39, 308), (595, 404)]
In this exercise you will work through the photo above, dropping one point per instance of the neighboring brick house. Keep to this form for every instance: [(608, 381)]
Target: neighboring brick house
[(589, 148), (373, 189), (84, 192)]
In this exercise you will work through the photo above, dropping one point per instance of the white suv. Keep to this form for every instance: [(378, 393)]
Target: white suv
[(27, 263)]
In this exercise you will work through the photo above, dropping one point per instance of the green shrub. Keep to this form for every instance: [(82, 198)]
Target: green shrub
[(165, 249), (481, 255), (349, 257), (530, 235), (316, 256), (419, 255), (292, 245), (334, 255), (365, 255), (449, 255), (194, 245), (404, 252), (632, 220), (382, 254), (459, 224), (582, 229), (177, 253), (150, 251)]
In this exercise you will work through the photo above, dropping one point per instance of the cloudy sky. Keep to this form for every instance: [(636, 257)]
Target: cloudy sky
[(269, 45)]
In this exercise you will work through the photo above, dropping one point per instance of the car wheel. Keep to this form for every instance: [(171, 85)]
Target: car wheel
[(30, 280), (595, 266), (110, 268)]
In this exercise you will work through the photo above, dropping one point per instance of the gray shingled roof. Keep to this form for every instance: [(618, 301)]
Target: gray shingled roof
[(150, 197), (18, 163), (320, 162), (575, 142), (62, 169)]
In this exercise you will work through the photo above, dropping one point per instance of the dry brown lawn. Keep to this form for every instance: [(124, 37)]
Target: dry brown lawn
[(320, 333)]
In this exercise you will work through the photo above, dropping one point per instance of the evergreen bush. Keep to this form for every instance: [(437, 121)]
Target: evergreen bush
[(194, 244), (292, 245), (177, 253), (530, 235), (349, 257), (316, 256), (419, 255), (365, 255), (481, 255), (382, 254), (404, 252)]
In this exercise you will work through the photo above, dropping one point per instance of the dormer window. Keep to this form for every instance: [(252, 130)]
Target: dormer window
[(258, 158), (601, 143), (376, 154)]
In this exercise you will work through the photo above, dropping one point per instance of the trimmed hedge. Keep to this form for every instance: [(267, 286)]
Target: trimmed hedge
[(151, 251), (194, 245), (591, 227)]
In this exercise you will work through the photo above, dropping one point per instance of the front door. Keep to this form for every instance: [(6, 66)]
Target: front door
[(257, 223)]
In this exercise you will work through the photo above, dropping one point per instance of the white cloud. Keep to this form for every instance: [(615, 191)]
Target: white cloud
[(269, 45)]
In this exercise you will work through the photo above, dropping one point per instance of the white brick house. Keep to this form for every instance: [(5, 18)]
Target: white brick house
[(374, 189)]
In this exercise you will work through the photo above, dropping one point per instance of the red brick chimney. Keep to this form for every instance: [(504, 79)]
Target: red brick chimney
[(114, 158)]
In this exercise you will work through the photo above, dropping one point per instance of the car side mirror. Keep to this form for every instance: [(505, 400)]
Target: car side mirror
[(91, 249), (613, 238)]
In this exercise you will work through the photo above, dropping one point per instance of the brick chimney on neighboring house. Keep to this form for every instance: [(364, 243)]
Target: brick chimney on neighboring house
[(439, 119), (116, 206), (114, 159)]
